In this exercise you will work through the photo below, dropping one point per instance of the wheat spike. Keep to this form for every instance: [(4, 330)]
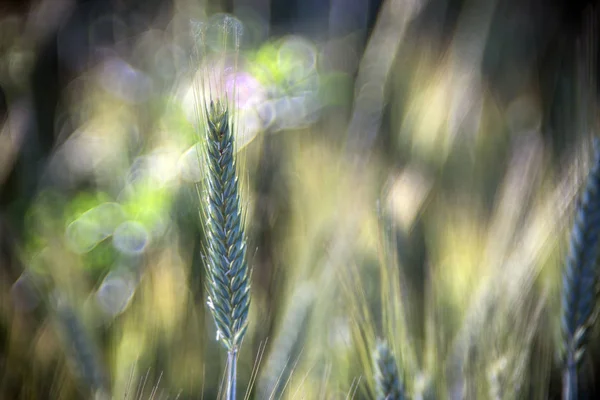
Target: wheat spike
[(81, 349), (228, 277), (580, 277), (388, 383)]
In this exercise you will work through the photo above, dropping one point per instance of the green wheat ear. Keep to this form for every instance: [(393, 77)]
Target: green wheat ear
[(388, 383), (225, 257), (580, 278), (81, 349)]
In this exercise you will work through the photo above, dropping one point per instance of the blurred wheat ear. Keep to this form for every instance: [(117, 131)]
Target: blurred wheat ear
[(225, 257), (579, 278), (82, 350), (389, 385)]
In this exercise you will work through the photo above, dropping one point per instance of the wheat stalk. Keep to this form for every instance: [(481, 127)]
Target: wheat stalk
[(388, 383), (225, 256), (580, 277)]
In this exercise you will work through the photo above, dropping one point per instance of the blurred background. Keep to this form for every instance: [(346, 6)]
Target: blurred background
[(410, 169)]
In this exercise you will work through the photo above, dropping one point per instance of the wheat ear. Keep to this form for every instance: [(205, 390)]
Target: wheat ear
[(388, 383), (580, 277), (225, 257), (81, 349)]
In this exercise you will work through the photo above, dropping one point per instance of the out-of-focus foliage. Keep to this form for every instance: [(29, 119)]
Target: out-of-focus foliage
[(390, 193)]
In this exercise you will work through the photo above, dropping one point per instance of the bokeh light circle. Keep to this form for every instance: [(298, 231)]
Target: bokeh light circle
[(115, 293), (131, 238)]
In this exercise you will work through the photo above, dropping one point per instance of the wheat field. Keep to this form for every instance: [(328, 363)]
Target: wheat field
[(229, 210)]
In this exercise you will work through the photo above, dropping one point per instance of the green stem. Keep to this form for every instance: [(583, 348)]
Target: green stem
[(231, 373), (570, 379)]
